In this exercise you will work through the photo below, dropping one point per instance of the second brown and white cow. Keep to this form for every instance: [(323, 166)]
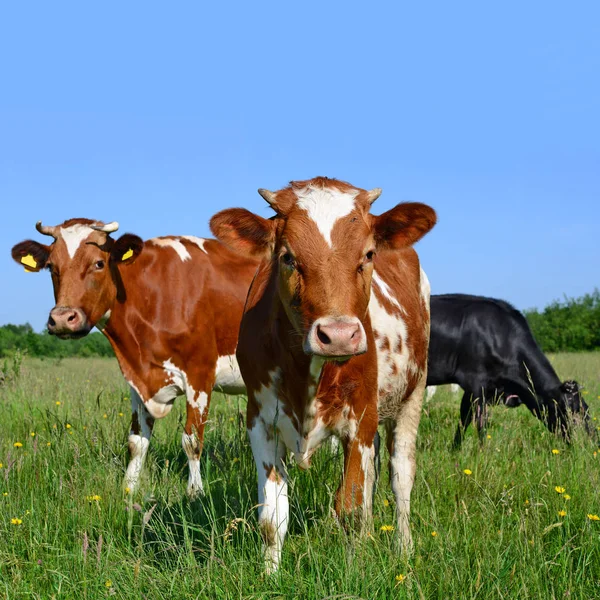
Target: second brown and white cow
[(333, 340), (170, 307)]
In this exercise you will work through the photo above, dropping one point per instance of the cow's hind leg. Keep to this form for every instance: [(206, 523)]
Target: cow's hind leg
[(142, 423), (402, 438), (192, 439), (273, 504)]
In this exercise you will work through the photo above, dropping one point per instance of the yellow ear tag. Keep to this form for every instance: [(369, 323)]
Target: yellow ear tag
[(127, 254), (29, 261)]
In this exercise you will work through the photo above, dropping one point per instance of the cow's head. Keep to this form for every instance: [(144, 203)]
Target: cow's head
[(577, 408), (322, 242), (83, 263)]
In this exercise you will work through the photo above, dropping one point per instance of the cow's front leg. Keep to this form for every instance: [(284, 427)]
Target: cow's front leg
[(355, 495), (402, 438), (273, 504), (142, 423), (192, 439)]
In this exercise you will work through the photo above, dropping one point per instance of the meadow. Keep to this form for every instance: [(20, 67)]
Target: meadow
[(513, 517)]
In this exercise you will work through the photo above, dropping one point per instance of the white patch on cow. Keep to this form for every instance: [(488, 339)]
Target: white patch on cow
[(430, 392), (273, 503), (190, 446), (228, 375), (101, 324), (325, 206), (172, 243), (195, 240), (392, 367), (138, 443), (454, 388), (425, 287), (74, 235), (386, 291)]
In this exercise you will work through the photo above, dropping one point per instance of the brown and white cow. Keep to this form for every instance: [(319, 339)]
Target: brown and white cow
[(171, 308), (333, 340)]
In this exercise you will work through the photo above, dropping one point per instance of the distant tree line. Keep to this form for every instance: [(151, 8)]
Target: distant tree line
[(23, 338), (569, 326)]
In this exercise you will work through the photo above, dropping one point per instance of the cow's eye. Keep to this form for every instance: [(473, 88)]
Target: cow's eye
[(288, 260), (99, 265)]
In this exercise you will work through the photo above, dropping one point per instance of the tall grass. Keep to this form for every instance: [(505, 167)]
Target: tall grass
[(495, 533)]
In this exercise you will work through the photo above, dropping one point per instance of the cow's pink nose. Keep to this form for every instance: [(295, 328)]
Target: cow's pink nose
[(337, 337), (64, 320)]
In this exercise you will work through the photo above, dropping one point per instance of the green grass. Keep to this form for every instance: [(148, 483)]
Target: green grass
[(498, 532)]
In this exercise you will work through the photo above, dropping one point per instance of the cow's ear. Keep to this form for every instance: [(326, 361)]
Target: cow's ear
[(403, 225), (244, 231), (127, 248), (31, 255)]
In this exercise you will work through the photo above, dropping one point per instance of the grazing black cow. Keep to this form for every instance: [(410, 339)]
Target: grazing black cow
[(485, 346)]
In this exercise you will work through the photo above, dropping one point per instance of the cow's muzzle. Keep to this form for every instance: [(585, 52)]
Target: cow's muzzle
[(67, 322), (339, 337)]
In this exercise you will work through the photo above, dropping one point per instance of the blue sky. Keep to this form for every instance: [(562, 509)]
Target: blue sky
[(160, 114)]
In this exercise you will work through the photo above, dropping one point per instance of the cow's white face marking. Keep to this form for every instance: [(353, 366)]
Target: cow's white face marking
[(196, 240), (175, 244), (228, 375), (74, 235), (325, 206)]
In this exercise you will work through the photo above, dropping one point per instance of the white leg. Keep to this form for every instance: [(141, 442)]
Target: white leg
[(402, 461), (139, 439), (273, 505), (430, 392), (192, 438), (454, 387)]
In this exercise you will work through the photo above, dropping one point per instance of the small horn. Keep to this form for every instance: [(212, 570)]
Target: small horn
[(268, 196), (373, 194), (108, 228), (46, 229)]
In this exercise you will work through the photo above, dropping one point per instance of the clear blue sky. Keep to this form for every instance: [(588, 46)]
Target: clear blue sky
[(160, 114)]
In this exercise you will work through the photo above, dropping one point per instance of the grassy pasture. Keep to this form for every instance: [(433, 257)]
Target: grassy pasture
[(68, 531)]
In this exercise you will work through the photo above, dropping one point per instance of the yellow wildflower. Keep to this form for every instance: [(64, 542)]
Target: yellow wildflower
[(18, 445), (526, 502), (562, 513), (57, 403), (108, 583), (1, 465), (48, 444), (386, 502), (128, 490), (5, 493), (593, 517), (559, 489), (386, 528), (68, 426), (467, 471), (566, 496), (32, 434), (120, 414), (235, 459), (16, 521), (489, 437), (105, 416), (555, 451), (400, 578), (94, 498), (434, 534)]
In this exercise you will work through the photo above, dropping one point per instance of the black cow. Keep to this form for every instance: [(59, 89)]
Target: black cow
[(485, 346)]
